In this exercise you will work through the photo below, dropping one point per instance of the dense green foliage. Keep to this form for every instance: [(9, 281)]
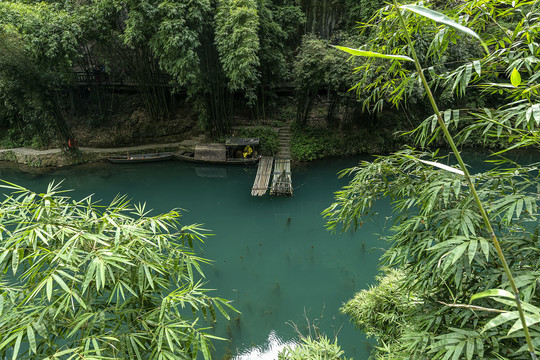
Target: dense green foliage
[(319, 348), (88, 281), (225, 55), (313, 143), (380, 311), (319, 68), (238, 44), (35, 61), (439, 239), (455, 300), (317, 142), (268, 139), (213, 50)]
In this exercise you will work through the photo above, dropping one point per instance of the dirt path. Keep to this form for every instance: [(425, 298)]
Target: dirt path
[(56, 157)]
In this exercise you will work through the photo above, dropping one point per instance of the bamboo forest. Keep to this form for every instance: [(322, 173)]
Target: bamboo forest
[(344, 179)]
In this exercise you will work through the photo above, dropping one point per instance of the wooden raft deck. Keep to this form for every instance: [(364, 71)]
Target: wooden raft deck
[(262, 179), (282, 181)]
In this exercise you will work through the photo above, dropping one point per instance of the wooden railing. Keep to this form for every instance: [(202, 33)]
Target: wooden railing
[(117, 78)]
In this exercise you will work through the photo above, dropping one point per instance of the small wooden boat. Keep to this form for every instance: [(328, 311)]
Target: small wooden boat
[(235, 151), (137, 158), (190, 156)]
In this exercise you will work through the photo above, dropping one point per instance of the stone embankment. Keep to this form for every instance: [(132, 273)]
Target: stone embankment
[(57, 157)]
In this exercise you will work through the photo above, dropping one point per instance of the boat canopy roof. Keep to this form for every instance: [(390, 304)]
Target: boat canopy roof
[(241, 141), (210, 152)]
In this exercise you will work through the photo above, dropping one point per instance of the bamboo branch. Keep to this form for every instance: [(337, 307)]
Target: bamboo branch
[(473, 307), (469, 180)]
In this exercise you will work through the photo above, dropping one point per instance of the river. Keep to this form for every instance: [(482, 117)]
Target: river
[(272, 256)]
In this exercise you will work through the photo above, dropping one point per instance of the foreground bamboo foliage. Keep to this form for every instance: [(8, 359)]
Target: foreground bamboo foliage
[(88, 281), (427, 210)]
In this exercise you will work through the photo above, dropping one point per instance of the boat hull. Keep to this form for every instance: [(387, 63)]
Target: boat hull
[(233, 161), (139, 158)]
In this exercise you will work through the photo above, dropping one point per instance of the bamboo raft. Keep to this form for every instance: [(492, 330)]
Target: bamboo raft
[(262, 179), (282, 180)]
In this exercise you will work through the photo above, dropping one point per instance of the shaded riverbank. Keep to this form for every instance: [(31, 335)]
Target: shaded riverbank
[(59, 158)]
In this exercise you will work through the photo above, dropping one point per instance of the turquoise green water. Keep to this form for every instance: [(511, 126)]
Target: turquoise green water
[(272, 256)]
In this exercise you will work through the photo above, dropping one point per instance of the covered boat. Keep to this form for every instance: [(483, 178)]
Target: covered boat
[(241, 151)]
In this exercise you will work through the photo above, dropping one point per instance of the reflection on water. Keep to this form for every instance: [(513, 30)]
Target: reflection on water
[(268, 351), (211, 171)]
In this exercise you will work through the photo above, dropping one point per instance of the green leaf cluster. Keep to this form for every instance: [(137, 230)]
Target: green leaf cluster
[(268, 139), (90, 281), (319, 68), (237, 41), (39, 45), (384, 306), (508, 74), (445, 226), (318, 348), (440, 245)]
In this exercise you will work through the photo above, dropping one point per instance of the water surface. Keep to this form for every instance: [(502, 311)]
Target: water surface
[(272, 255)]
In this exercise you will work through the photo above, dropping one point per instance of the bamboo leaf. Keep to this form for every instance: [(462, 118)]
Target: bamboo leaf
[(493, 293), (442, 166), (17, 345), (40, 328), (15, 260), (458, 350), (510, 212), (433, 122), (526, 306), (149, 276), (49, 288), (31, 339), (169, 334), (529, 319), (469, 353), (81, 320), (519, 207), (501, 319), (458, 251), (365, 53), (96, 347), (484, 244), (455, 116), (447, 116), (204, 348), (101, 274), (443, 19), (221, 310), (468, 75), (477, 67), (536, 113), (61, 282), (88, 276), (472, 250), (515, 78), (8, 340), (480, 347)]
